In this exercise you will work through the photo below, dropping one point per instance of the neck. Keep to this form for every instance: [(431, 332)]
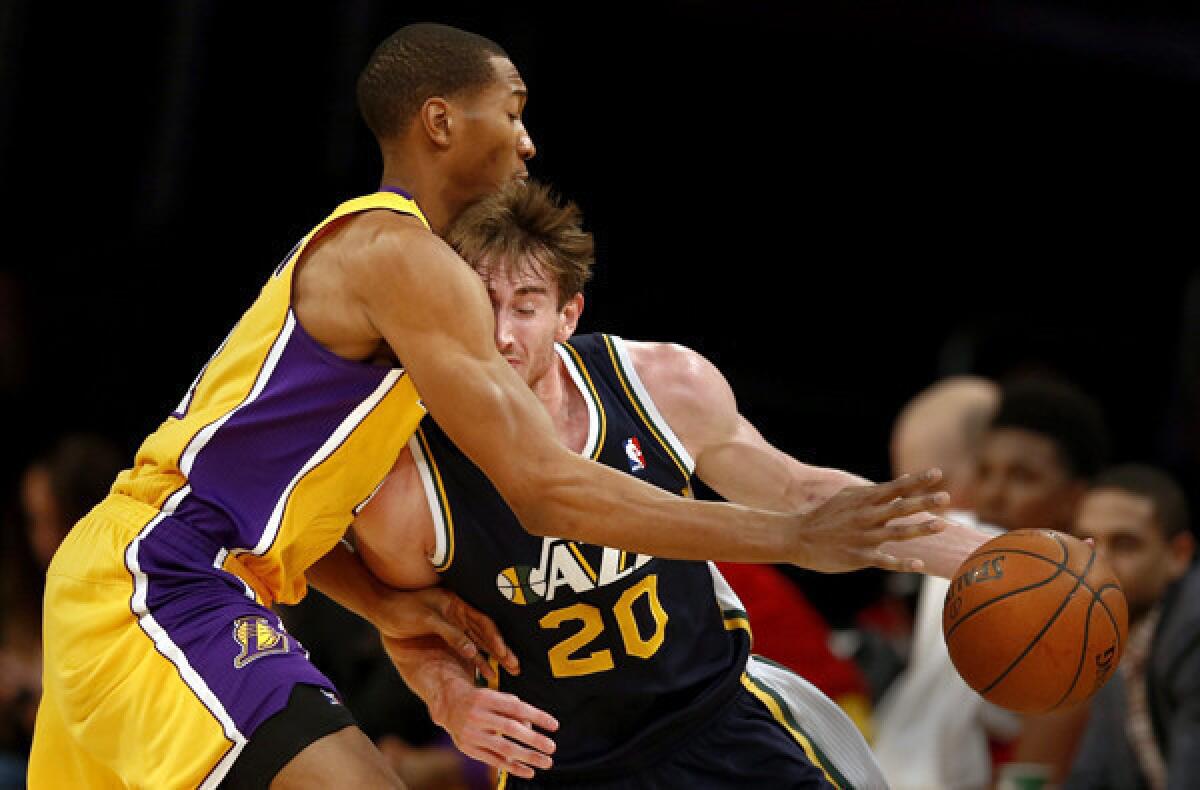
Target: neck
[(428, 186), (562, 401)]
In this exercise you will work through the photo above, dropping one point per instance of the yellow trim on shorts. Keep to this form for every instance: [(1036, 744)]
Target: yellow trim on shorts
[(777, 711), (734, 623), (502, 780)]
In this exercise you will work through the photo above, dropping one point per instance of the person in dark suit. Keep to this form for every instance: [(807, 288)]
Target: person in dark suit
[(1144, 728)]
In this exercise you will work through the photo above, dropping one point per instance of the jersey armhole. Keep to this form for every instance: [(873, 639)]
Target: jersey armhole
[(435, 497), (639, 396)]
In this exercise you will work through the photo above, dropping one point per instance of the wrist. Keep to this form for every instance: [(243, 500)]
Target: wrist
[(445, 692), (795, 546)]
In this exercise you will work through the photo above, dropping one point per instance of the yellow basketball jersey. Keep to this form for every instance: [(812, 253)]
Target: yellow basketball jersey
[(279, 441)]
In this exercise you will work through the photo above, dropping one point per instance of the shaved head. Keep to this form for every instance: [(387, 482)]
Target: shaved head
[(941, 427)]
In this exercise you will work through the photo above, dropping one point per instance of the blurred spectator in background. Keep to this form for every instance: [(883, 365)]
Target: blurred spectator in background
[(931, 728), (56, 491), (1036, 461), (1037, 456), (348, 649), (1032, 463), (1144, 727)]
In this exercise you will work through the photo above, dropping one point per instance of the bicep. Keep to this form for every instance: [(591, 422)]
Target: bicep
[(434, 313), (731, 456)]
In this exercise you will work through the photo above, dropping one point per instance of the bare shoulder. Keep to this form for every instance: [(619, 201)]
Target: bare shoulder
[(376, 242), (689, 391), (346, 262), (673, 371)]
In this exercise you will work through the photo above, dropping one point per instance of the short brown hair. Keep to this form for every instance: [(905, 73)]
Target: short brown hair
[(1170, 503), (417, 62), (526, 223)]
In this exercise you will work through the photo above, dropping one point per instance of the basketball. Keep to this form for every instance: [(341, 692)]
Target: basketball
[(1034, 621)]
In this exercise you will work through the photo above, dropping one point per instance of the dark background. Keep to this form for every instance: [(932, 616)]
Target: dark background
[(837, 203)]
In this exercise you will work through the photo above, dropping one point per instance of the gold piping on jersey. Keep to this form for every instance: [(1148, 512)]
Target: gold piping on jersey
[(581, 374), (644, 406)]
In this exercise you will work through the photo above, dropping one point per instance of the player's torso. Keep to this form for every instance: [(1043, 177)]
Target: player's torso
[(619, 647), (278, 441)]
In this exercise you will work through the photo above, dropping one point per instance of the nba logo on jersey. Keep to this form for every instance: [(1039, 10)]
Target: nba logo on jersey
[(633, 449)]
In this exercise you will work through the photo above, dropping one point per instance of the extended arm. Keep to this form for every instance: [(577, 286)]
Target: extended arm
[(433, 312), (737, 462), (394, 534), (341, 575)]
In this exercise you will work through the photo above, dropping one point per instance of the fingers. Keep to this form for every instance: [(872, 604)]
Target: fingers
[(907, 506), (514, 708), (480, 633), (906, 486), (494, 759), (914, 529), (487, 636), (889, 562), (502, 734), (512, 744)]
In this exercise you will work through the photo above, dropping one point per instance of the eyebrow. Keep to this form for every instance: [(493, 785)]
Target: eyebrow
[(532, 289)]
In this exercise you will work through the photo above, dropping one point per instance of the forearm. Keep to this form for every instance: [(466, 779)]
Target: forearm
[(594, 504), (943, 553), (342, 576), (811, 486), (430, 670)]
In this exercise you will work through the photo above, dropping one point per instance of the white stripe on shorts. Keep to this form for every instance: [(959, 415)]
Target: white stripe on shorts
[(825, 724)]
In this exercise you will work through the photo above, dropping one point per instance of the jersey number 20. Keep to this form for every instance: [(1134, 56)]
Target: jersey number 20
[(563, 661)]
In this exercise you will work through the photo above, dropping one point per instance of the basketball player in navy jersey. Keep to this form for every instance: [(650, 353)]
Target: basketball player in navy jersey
[(643, 662)]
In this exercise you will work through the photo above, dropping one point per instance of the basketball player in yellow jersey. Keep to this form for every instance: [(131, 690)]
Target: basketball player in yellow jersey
[(164, 665)]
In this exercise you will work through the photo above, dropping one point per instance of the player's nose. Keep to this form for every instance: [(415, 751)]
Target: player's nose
[(504, 336), (525, 147)]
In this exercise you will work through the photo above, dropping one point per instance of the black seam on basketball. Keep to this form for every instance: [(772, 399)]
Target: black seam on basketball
[(1111, 617), (1066, 599), (1002, 597), (1026, 552), (1066, 552), (1060, 564), (1087, 626)]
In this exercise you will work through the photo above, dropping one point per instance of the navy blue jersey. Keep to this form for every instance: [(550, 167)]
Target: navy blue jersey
[(626, 650)]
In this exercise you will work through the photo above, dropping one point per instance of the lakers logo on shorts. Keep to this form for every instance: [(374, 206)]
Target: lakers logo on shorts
[(258, 638)]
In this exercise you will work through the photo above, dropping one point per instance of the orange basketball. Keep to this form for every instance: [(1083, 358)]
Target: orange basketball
[(1034, 620)]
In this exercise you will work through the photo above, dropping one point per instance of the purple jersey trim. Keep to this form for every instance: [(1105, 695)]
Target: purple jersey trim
[(398, 191)]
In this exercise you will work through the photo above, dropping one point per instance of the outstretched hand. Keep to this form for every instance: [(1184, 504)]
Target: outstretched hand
[(491, 726), (434, 611), (847, 532)]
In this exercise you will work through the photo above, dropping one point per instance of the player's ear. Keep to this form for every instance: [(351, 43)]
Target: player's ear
[(568, 318), (1181, 548), (435, 120)]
